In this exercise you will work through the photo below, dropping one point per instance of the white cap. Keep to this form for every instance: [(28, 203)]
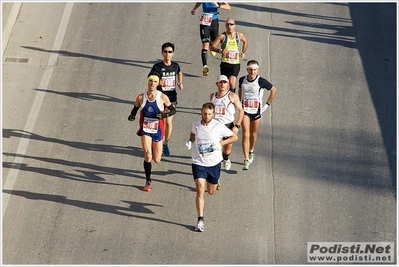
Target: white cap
[(223, 78)]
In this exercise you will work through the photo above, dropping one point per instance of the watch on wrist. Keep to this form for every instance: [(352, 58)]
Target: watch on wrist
[(238, 126)]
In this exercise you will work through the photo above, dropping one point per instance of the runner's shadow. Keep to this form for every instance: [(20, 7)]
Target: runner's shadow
[(128, 150), (136, 63), (141, 207), (116, 210), (88, 96)]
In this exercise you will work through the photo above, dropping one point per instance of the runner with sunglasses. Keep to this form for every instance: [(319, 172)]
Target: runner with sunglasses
[(171, 77), (209, 28), (231, 42)]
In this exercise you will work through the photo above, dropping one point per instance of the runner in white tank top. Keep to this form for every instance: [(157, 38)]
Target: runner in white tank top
[(224, 108), (226, 104)]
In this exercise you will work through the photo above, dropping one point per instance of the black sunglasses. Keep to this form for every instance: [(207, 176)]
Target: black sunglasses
[(168, 51), (231, 24)]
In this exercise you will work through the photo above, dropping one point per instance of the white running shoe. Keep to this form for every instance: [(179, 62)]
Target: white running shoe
[(251, 157), (200, 226), (227, 164)]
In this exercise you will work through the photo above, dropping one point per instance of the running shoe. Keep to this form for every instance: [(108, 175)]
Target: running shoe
[(227, 164), (205, 70), (166, 151), (251, 157), (246, 165), (148, 186), (213, 53), (200, 226), (218, 186)]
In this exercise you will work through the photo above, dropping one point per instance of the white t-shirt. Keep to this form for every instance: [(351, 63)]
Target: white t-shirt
[(205, 136)]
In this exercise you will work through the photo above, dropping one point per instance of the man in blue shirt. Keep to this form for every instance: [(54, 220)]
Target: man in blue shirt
[(209, 28)]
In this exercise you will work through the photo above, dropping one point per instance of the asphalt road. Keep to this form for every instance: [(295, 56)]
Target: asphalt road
[(325, 166)]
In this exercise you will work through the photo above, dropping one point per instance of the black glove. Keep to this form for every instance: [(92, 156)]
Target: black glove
[(131, 117), (172, 111), (161, 116), (133, 113)]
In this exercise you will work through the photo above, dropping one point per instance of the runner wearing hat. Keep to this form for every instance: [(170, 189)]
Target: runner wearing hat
[(226, 104)]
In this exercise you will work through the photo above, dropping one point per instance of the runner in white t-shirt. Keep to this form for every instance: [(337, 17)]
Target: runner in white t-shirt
[(206, 140)]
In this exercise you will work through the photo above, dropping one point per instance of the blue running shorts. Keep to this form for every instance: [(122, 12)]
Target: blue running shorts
[(210, 174)]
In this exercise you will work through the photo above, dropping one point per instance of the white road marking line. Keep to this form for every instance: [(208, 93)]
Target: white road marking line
[(33, 115)]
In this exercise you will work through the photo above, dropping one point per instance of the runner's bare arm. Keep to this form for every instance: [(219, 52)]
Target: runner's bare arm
[(244, 40), (216, 42), (238, 105), (224, 5), (195, 7)]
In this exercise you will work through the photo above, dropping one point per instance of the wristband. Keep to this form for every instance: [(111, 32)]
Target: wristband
[(238, 126)]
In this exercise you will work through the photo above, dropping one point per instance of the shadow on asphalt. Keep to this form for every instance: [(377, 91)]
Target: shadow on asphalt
[(137, 207), (88, 172), (379, 63), (88, 96), (343, 36), (378, 57)]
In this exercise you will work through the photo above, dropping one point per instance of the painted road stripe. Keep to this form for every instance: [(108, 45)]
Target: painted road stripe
[(24, 142)]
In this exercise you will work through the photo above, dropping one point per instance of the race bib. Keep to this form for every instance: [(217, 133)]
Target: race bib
[(220, 111), (231, 55), (150, 125), (251, 104), (205, 149), (169, 83), (206, 19)]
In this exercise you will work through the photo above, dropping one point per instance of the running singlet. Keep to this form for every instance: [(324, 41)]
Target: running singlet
[(209, 13), (232, 56), (224, 108), (149, 123), (252, 93)]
